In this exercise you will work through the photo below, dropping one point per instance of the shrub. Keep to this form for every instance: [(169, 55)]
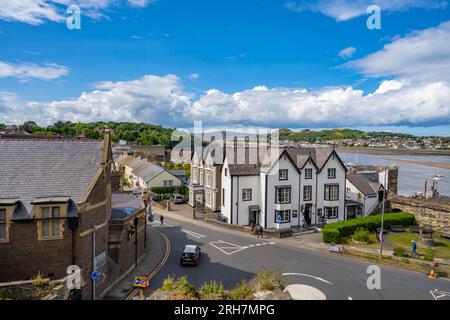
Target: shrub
[(241, 292), (399, 251), (38, 280), (162, 190), (179, 287), (429, 254), (331, 235), (361, 235), (211, 291), (371, 223), (269, 280)]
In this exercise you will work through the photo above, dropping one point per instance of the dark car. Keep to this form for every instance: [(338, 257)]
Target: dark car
[(191, 255)]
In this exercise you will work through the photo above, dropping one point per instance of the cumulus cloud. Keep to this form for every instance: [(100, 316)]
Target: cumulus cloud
[(36, 12), (163, 100), (347, 52), (421, 55), (26, 71), (342, 10)]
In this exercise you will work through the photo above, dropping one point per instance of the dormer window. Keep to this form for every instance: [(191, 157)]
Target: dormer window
[(50, 213), (51, 223)]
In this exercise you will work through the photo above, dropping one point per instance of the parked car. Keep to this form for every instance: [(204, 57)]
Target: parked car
[(177, 198), (191, 255)]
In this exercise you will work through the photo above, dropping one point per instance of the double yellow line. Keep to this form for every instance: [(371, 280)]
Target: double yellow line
[(135, 291)]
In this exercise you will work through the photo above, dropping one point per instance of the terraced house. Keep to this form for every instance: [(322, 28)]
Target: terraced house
[(56, 206), (296, 186)]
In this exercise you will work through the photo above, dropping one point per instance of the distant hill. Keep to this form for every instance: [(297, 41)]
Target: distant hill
[(334, 134)]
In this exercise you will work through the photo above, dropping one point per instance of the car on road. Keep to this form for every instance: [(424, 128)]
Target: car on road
[(191, 255), (177, 198)]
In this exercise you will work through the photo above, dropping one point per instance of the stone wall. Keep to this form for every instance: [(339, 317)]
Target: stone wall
[(426, 211)]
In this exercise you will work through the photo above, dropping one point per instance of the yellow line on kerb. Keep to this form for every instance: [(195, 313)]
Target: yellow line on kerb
[(134, 291)]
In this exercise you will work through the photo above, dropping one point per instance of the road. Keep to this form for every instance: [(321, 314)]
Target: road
[(229, 256)]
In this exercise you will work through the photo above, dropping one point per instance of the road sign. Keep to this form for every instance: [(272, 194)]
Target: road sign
[(95, 275), (141, 282), (100, 260)]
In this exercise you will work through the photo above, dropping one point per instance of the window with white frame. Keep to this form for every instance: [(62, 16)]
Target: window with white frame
[(223, 196), (201, 177), (331, 212), (194, 175), (307, 193), (308, 173), (226, 172), (50, 223), (246, 194), (168, 183), (331, 173), (331, 192), (209, 199), (282, 194), (282, 216), (283, 174), (3, 226), (208, 179)]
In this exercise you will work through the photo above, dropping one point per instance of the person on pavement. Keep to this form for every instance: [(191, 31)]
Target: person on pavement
[(252, 225), (413, 248), (161, 218), (260, 231)]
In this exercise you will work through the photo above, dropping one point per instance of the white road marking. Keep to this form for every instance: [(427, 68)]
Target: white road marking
[(307, 275), (223, 246), (194, 234), (439, 294), (350, 298), (156, 223)]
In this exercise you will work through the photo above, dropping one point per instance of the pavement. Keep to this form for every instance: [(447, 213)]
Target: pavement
[(229, 256), (156, 250)]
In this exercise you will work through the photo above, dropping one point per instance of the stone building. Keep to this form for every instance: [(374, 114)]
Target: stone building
[(55, 196)]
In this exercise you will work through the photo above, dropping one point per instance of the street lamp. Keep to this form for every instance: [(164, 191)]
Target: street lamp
[(382, 212)]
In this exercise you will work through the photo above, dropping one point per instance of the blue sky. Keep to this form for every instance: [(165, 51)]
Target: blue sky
[(228, 63)]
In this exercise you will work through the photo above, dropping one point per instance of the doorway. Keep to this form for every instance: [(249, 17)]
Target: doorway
[(308, 210)]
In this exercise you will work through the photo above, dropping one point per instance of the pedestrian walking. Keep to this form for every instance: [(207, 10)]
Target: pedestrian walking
[(161, 218), (260, 231), (413, 249), (252, 226)]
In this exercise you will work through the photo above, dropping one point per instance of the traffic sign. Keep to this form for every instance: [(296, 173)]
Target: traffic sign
[(95, 275), (141, 282)]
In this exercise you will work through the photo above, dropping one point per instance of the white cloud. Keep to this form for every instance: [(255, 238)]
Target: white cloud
[(347, 52), (36, 12), (163, 100), (29, 11), (342, 10), (422, 55), (194, 76), (26, 71)]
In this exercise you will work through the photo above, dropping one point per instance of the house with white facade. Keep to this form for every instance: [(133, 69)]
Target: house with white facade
[(295, 186), (363, 195)]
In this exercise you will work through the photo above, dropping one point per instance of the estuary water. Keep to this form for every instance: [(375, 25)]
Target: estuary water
[(411, 176)]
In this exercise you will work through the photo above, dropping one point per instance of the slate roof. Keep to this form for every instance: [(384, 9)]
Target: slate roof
[(32, 168), (148, 171), (125, 204), (363, 184)]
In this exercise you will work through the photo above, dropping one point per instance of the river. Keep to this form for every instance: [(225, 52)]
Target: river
[(411, 176)]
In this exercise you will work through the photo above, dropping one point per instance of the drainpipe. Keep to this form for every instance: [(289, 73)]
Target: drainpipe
[(93, 260)]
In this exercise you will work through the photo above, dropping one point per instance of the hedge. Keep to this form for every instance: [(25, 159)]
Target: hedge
[(334, 232)]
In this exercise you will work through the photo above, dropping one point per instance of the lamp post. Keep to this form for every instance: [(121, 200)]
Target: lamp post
[(382, 212)]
